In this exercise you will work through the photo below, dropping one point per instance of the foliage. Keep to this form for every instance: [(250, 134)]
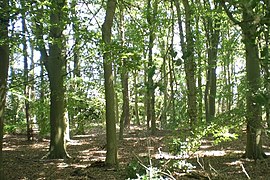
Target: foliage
[(15, 128), (41, 109), (134, 169), (224, 127), (182, 165), (184, 144), (156, 169), (84, 106), (138, 171)]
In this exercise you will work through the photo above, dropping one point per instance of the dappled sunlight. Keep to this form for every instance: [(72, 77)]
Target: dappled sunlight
[(135, 139), (76, 142), (210, 153), (234, 163), (266, 147), (216, 153), (62, 165), (88, 154), (205, 146), (11, 148)]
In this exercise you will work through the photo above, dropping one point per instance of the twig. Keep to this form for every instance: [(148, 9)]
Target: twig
[(139, 160), (168, 175), (244, 170), (198, 161), (203, 168), (211, 167)]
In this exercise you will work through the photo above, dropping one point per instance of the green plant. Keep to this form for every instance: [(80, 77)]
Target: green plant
[(18, 127), (134, 169), (222, 134), (10, 128), (183, 165)]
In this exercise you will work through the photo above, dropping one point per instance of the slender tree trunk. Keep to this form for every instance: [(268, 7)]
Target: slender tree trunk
[(136, 107), (163, 118), (26, 76), (42, 117), (39, 32), (212, 35), (151, 14), (126, 97), (4, 63), (76, 65), (125, 117), (172, 95), (111, 155), (116, 96), (56, 71), (266, 67), (146, 98), (267, 76), (188, 56)]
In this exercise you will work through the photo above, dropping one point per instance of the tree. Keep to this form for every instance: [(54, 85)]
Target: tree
[(55, 66), (212, 29), (187, 46), (151, 68), (4, 63), (111, 155), (249, 25), (125, 117), (27, 85)]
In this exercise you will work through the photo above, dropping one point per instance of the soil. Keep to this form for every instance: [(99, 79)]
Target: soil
[(24, 159)]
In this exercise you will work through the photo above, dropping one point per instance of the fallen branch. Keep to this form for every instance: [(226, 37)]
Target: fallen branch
[(244, 170)]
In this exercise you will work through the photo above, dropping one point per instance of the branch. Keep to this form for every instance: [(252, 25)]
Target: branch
[(229, 13), (244, 170)]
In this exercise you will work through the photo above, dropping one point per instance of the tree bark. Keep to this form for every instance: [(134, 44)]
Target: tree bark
[(151, 14), (254, 117), (187, 45), (27, 87), (4, 63), (56, 72), (212, 35), (125, 117), (136, 99), (111, 155)]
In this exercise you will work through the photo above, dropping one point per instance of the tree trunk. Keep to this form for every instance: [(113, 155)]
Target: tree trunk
[(125, 92), (56, 72), (188, 56), (163, 117), (116, 97), (26, 76), (266, 73), (111, 155), (212, 35), (125, 117), (146, 98), (254, 118), (136, 107), (151, 14), (4, 62), (200, 71), (253, 115), (39, 32)]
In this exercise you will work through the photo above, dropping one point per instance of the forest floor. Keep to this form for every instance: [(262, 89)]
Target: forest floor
[(23, 159)]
